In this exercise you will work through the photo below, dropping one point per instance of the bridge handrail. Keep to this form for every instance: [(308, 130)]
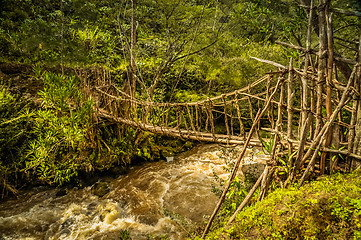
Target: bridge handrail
[(201, 102)]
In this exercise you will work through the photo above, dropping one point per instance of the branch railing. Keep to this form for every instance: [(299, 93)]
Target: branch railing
[(300, 124)]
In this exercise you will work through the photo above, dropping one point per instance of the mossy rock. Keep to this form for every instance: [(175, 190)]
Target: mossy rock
[(100, 189), (326, 209)]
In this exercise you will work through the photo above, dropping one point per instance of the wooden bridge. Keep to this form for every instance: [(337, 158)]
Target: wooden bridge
[(227, 118), (290, 102), (313, 112), (312, 127), (218, 119), (284, 102)]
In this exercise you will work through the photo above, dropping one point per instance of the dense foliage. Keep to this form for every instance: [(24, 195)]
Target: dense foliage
[(219, 36), (54, 142), (185, 50), (14, 136), (325, 209), (196, 42)]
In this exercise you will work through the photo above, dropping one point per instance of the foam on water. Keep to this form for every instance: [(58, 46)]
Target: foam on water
[(145, 202)]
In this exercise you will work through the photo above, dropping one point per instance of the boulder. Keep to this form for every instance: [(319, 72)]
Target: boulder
[(100, 189), (252, 168)]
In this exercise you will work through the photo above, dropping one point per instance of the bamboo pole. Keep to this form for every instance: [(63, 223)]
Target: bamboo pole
[(271, 63), (238, 161), (267, 177), (328, 84), (300, 152), (241, 126), (250, 108), (316, 144), (312, 51), (304, 79), (321, 65), (225, 115), (270, 169), (179, 133), (231, 117), (269, 115), (198, 118), (313, 107), (356, 122), (208, 117), (290, 95), (343, 152), (211, 119), (190, 114)]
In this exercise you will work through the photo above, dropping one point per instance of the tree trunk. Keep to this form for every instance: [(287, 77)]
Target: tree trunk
[(321, 66), (343, 67), (328, 84), (304, 79), (313, 18), (290, 95), (357, 104), (133, 42)]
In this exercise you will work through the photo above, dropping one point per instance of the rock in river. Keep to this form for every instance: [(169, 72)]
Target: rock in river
[(100, 189)]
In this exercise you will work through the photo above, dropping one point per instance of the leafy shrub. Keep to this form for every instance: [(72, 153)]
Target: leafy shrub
[(54, 142), (325, 209), (15, 119), (60, 128)]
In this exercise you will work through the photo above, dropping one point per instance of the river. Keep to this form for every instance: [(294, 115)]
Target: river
[(164, 198)]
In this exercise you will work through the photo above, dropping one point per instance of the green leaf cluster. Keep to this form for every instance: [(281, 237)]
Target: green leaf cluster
[(15, 134), (60, 128)]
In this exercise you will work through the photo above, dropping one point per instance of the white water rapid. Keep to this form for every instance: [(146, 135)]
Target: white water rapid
[(155, 199)]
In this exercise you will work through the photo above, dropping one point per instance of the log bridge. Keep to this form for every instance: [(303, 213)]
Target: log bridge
[(285, 103), (289, 104), (227, 119), (313, 114)]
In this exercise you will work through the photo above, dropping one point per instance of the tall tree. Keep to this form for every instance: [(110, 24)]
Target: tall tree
[(133, 43)]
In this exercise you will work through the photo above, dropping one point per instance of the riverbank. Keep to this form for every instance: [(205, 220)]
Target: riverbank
[(167, 199), (171, 199), (328, 208), (50, 133)]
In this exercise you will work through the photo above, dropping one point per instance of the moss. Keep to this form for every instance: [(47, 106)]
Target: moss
[(326, 209)]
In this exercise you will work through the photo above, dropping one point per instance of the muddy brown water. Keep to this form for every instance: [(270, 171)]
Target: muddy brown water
[(156, 199)]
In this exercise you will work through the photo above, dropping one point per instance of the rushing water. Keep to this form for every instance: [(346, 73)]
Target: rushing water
[(158, 198)]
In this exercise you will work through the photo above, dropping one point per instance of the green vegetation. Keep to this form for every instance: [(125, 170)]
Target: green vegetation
[(188, 50), (54, 142), (125, 235), (325, 209), (61, 127), (96, 33), (183, 51), (14, 136)]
